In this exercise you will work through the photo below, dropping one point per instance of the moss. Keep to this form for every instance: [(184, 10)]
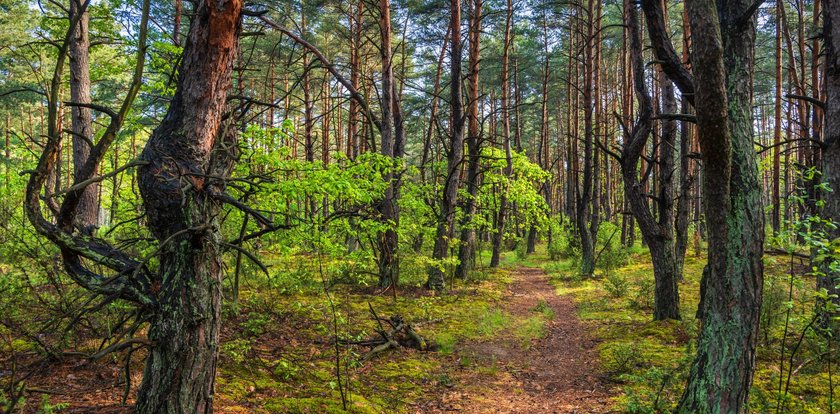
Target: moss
[(295, 358), (446, 342), (651, 359), (330, 404)]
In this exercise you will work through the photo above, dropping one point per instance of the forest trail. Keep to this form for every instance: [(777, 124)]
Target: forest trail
[(555, 374)]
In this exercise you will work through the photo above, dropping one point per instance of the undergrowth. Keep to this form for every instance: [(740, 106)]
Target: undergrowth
[(649, 361)]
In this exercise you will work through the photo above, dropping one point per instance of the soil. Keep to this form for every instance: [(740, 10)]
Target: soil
[(556, 374)]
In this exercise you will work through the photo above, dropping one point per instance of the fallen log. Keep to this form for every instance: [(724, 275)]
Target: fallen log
[(400, 334)]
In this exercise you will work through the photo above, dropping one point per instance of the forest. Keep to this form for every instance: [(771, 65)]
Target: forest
[(419, 206)]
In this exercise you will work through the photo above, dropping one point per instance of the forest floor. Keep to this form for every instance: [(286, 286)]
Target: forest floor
[(557, 372), (530, 337)]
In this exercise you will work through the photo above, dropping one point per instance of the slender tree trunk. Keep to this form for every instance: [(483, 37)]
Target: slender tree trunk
[(388, 242), (355, 61), (584, 216), (427, 142), (684, 200), (446, 220), (182, 214), (777, 124), (687, 176), (176, 26), (466, 251), (498, 237)]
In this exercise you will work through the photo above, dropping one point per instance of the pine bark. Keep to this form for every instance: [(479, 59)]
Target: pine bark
[(446, 220), (87, 216), (831, 146), (391, 144), (501, 220), (722, 64), (586, 220), (657, 230), (182, 209), (466, 251)]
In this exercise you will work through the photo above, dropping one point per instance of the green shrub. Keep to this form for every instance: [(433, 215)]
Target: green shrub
[(564, 243), (522, 249), (611, 253), (643, 297), (616, 285), (621, 358)]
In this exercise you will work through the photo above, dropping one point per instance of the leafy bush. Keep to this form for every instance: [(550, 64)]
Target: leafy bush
[(564, 243), (612, 253), (522, 250), (643, 297)]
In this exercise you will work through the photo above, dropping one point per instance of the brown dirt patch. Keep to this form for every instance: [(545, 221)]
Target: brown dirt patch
[(556, 374)]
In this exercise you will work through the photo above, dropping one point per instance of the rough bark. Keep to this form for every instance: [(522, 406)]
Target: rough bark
[(722, 63), (87, 216), (388, 241), (501, 220), (831, 146), (682, 220), (656, 231), (584, 217), (182, 208), (446, 219), (466, 251), (777, 124)]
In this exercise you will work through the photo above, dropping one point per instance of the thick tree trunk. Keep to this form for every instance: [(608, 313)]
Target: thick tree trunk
[(666, 293), (723, 59), (87, 215), (831, 149), (182, 213), (446, 220)]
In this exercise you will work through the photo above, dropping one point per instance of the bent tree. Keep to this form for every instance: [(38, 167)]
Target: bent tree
[(182, 174), (658, 232)]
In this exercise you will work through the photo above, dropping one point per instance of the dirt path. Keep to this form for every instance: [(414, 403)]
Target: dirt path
[(556, 374)]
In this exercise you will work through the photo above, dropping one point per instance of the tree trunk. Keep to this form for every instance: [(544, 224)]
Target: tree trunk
[(831, 150), (446, 220), (584, 216), (777, 124), (657, 232), (87, 216), (684, 200), (499, 236), (723, 59), (466, 251), (182, 213), (388, 242)]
